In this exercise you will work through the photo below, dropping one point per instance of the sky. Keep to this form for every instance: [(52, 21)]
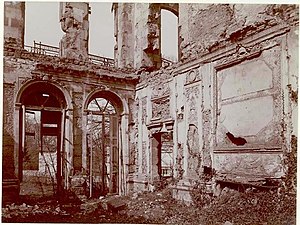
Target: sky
[(42, 25)]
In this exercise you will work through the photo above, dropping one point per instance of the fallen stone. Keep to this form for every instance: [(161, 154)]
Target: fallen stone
[(57, 209), (135, 196), (218, 190), (90, 206), (116, 204), (228, 223)]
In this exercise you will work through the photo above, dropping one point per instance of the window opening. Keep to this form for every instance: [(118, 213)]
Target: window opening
[(102, 140), (39, 157), (166, 155), (169, 36), (162, 155), (42, 23), (101, 38)]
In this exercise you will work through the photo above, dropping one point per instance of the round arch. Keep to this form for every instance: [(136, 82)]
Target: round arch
[(116, 127), (32, 86), (172, 7), (118, 102), (41, 112)]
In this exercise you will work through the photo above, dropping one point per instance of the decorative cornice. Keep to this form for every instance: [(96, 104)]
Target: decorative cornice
[(156, 124), (57, 65)]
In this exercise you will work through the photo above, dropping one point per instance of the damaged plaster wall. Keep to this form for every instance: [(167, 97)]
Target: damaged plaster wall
[(227, 24), (141, 34), (234, 59), (229, 67)]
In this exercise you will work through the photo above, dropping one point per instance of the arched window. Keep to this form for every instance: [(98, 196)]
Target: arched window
[(103, 151), (101, 105), (163, 34)]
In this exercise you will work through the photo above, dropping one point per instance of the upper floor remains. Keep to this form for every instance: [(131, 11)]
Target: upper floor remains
[(202, 29)]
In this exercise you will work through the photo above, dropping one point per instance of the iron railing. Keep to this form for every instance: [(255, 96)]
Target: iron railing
[(101, 60), (50, 50), (44, 49)]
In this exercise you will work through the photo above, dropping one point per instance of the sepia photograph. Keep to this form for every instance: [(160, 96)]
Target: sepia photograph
[(150, 112)]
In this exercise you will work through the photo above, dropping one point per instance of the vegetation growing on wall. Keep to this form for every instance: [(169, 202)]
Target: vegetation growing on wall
[(290, 161)]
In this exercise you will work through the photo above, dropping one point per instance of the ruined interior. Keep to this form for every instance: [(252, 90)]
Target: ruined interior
[(225, 113)]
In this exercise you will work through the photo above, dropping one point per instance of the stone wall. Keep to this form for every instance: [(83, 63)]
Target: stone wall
[(14, 22), (202, 28), (78, 81), (124, 45), (205, 27), (8, 132), (137, 31), (229, 104), (75, 23)]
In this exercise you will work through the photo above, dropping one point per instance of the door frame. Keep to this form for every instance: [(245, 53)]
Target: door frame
[(60, 154)]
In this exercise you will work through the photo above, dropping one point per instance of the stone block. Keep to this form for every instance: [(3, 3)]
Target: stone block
[(91, 206), (116, 204)]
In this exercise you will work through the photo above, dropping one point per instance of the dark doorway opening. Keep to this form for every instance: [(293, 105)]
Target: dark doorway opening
[(162, 155), (41, 153)]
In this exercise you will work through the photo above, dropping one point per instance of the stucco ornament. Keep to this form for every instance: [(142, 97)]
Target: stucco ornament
[(193, 150)]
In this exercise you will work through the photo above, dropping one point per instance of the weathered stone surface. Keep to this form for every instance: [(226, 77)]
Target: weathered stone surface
[(116, 204), (14, 22), (124, 34), (91, 206), (249, 165), (74, 22)]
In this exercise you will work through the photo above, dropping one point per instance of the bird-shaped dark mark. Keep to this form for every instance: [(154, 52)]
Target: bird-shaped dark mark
[(236, 140)]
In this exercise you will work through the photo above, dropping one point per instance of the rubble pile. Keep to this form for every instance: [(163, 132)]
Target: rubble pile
[(25, 210), (230, 207)]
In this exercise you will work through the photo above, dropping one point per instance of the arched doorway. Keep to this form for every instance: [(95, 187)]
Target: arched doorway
[(103, 152), (41, 155)]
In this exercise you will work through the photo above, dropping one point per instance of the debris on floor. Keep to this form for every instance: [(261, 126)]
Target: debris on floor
[(229, 208)]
